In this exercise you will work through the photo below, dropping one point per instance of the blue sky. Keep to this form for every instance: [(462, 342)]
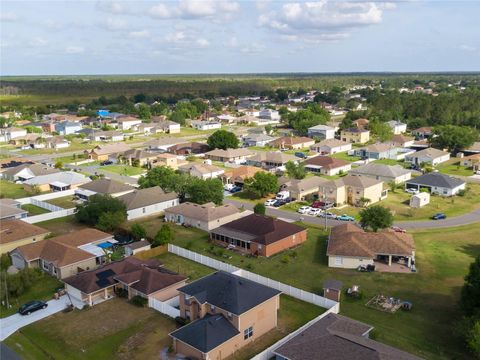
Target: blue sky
[(191, 36)]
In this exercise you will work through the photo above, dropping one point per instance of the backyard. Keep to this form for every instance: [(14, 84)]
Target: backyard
[(11, 190), (125, 170), (66, 202), (453, 167), (34, 210)]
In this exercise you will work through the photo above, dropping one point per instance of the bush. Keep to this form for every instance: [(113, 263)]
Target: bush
[(164, 236), (5, 262), (462, 192), (181, 321), (139, 301), (249, 267), (259, 208), (138, 232)]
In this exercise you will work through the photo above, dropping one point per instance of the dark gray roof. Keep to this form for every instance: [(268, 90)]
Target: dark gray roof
[(332, 284), (229, 292), (207, 333), (437, 179), (336, 337)]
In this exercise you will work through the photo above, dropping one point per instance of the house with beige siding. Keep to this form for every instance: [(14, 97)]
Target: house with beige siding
[(301, 189), (326, 165), (202, 170), (230, 155), (429, 156), (148, 202), (355, 135), (15, 233), (386, 173), (11, 209), (227, 313), (331, 146), (292, 142), (102, 186), (103, 152)]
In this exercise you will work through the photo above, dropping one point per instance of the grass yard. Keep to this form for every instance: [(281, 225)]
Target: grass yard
[(191, 269), (61, 226), (249, 197), (125, 170), (443, 257), (43, 289), (453, 167), (346, 157), (11, 190), (34, 210), (70, 159), (113, 329), (66, 202), (389, 162)]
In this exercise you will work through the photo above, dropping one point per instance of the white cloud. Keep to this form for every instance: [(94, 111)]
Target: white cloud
[(232, 42), (37, 42), (114, 24), (253, 48), (466, 47), (74, 49), (185, 39), (139, 34), (8, 17), (194, 9), (113, 7), (203, 43)]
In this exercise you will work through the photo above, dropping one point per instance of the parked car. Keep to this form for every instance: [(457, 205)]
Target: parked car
[(106, 162), (304, 209), (270, 202), (279, 203), (283, 195), (328, 215), (439, 216), (366, 268), (228, 187), (412, 191), (345, 217), (315, 212), (235, 189), (398, 229), (301, 155), (322, 204), (32, 306)]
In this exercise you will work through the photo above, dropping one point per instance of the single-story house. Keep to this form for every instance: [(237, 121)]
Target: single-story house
[(378, 151), (102, 186), (11, 209), (474, 149), (227, 312), (402, 141), (109, 135), (65, 255), (292, 142), (56, 142), (326, 165), (205, 125), (167, 126), (301, 189), (397, 127), (145, 278), (167, 159), (15, 233), (64, 180), (429, 156), (257, 139), (202, 170), (437, 183), (68, 127), (103, 152), (355, 135), (382, 172), (337, 337), (259, 235), (331, 146), (349, 247), (205, 217), (230, 155), (136, 247), (148, 202), (190, 148), (472, 161), (271, 159), (269, 114), (322, 132), (25, 171), (132, 156), (162, 143), (423, 132), (11, 133), (128, 122), (238, 175)]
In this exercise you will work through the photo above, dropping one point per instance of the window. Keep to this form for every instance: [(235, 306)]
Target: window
[(248, 333), (45, 265), (338, 260)]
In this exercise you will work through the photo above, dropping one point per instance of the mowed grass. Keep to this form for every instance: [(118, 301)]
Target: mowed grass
[(345, 156), (66, 202), (453, 167), (34, 210), (61, 226), (443, 257), (125, 170), (12, 191), (113, 329)]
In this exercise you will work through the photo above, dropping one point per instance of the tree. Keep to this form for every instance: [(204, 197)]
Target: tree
[(304, 119), (222, 139), (138, 232), (163, 236), (259, 208), (268, 129), (473, 337), (143, 112), (376, 217), (381, 130), (109, 221), (295, 171), (393, 185), (5, 262), (262, 184), (454, 138), (204, 191), (470, 294), (102, 211)]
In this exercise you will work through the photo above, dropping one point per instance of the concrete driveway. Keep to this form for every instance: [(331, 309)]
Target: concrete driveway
[(16, 321)]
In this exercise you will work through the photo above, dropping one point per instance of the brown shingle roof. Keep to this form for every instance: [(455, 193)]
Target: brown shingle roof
[(106, 186), (326, 162), (14, 230), (290, 140), (144, 197), (108, 149), (242, 172)]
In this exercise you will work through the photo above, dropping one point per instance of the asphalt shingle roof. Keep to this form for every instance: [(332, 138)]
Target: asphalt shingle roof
[(437, 179)]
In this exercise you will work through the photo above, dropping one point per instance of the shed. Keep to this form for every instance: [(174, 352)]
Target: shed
[(332, 289), (137, 247), (419, 200)]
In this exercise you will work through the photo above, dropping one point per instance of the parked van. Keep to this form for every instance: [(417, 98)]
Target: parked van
[(283, 195)]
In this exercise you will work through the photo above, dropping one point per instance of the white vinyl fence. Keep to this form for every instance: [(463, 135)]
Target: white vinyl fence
[(55, 211), (163, 307), (49, 216), (49, 196), (284, 288)]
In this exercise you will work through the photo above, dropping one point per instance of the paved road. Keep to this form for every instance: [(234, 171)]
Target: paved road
[(16, 321), (466, 219), (8, 354)]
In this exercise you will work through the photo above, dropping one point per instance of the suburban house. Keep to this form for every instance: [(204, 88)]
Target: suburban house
[(205, 217), (349, 247), (227, 312), (322, 132), (331, 146), (56, 142), (15, 233), (205, 125), (11, 133), (230, 155), (202, 170), (361, 123), (65, 255), (11, 209), (128, 122), (269, 114), (148, 202), (238, 175), (337, 337), (67, 127), (378, 151), (102, 186), (60, 181), (474, 149), (162, 143), (402, 141), (397, 127), (326, 165), (437, 183), (301, 189), (472, 161), (191, 148), (167, 126), (103, 152), (167, 159), (292, 142), (257, 139), (259, 235), (355, 135), (270, 159), (423, 132), (135, 156), (109, 135), (25, 171), (352, 189), (385, 173), (429, 156), (145, 278)]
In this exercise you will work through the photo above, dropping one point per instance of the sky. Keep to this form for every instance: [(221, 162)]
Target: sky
[(193, 36)]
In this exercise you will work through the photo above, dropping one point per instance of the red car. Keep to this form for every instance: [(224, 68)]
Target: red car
[(322, 204), (398, 229)]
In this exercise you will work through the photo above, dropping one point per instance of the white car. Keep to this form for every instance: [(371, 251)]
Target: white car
[(270, 202), (228, 187), (315, 212), (304, 209), (412, 191)]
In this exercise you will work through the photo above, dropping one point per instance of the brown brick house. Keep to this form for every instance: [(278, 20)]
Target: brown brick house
[(227, 312), (259, 235)]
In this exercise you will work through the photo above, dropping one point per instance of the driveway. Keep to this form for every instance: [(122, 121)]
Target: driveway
[(15, 322)]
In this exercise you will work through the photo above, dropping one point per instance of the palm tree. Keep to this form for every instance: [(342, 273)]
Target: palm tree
[(363, 201)]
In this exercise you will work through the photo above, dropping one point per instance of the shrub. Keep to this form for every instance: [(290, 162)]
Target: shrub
[(285, 259), (139, 301), (164, 236), (462, 192), (138, 231)]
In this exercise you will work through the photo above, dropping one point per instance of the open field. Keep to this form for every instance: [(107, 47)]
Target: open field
[(443, 257), (126, 170), (12, 190), (34, 210)]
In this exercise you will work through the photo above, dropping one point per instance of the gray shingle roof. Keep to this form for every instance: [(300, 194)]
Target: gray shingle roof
[(374, 169), (437, 179), (229, 292)]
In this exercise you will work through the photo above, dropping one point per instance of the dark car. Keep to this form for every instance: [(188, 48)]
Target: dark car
[(439, 216), (106, 162), (322, 204), (31, 306), (235, 189), (279, 203)]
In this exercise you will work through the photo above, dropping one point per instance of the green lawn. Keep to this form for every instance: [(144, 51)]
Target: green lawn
[(453, 167), (346, 157), (389, 162), (70, 159), (34, 210), (61, 226), (66, 202), (443, 257), (249, 197), (11, 190), (191, 269), (43, 289), (126, 170)]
